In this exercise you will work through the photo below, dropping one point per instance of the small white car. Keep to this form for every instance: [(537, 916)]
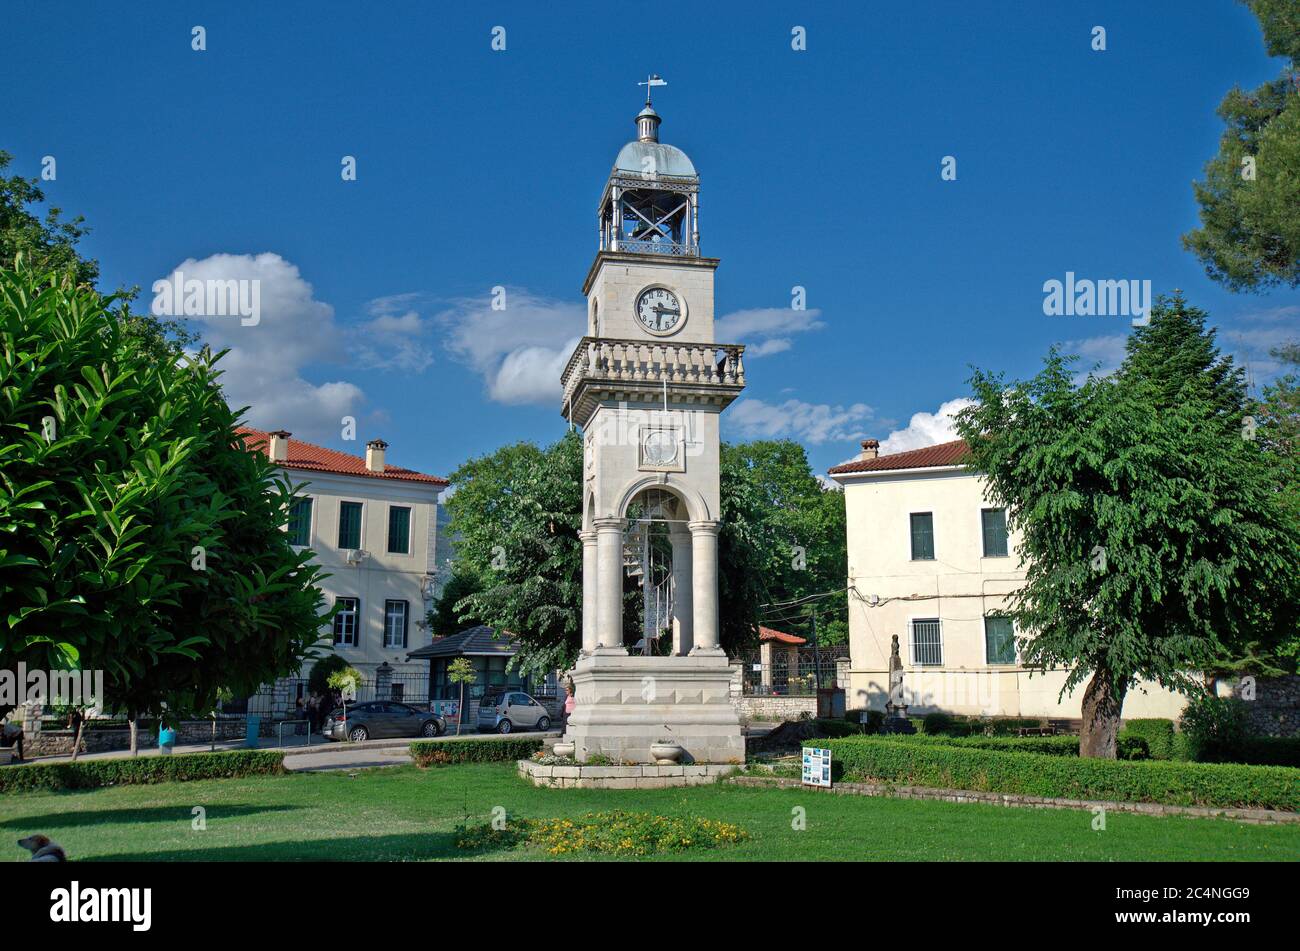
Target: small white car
[(511, 711)]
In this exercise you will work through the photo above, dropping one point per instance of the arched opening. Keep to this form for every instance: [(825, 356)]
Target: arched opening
[(657, 571)]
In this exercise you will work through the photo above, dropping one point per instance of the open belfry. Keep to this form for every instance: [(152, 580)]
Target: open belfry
[(647, 385)]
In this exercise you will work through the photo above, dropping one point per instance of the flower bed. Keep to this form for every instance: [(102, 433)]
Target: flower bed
[(615, 833)]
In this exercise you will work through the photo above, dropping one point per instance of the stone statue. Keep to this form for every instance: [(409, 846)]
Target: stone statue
[(895, 709)]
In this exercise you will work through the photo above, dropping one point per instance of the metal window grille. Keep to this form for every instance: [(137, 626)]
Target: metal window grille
[(927, 644)]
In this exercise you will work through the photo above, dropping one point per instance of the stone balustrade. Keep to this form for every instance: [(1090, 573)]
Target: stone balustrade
[(650, 363)]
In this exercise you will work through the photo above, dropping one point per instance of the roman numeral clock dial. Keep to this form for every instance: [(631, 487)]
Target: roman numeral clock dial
[(660, 311)]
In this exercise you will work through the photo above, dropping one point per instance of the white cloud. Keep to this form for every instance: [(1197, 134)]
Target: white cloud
[(926, 429), (812, 423), (519, 351), (1106, 353), (765, 330), (1261, 332), (263, 369)]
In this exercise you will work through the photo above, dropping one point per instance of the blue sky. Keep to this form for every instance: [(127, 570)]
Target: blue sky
[(477, 168)]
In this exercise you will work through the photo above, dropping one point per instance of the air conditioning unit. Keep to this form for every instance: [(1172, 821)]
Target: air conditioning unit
[(357, 555)]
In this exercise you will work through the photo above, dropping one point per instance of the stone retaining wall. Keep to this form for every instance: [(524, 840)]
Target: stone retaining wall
[(45, 742), (1275, 711), (775, 709)]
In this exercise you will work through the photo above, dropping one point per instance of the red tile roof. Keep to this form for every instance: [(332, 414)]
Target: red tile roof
[(944, 454), (304, 455), (768, 634)]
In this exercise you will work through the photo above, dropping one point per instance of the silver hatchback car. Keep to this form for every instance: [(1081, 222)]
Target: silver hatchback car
[(510, 711)]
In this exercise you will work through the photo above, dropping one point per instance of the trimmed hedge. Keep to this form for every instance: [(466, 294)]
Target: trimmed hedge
[(1159, 736), (446, 752), (1129, 747), (141, 770), (949, 766)]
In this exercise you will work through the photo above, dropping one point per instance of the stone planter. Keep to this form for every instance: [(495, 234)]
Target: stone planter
[(564, 749), (666, 754)]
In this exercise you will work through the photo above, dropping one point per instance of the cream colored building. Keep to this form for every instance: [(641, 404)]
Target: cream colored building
[(930, 560), (374, 529)]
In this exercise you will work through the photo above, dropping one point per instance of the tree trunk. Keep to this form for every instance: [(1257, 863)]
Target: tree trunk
[(1102, 705), (76, 740), (135, 749), (460, 711)]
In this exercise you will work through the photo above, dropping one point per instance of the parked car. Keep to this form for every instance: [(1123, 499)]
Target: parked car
[(510, 711), (381, 718)]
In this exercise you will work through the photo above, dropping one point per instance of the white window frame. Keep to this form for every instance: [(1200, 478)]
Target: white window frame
[(355, 614), (911, 640), (406, 620)]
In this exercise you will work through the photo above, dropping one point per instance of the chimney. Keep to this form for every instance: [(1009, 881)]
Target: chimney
[(870, 449), (375, 455), (279, 448)]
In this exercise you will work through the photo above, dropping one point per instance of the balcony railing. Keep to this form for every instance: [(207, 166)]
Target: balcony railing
[(647, 363)]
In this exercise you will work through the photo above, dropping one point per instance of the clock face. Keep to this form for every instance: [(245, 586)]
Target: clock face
[(661, 448), (660, 311)]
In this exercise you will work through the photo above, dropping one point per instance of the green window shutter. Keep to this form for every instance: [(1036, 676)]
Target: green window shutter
[(349, 525), (399, 530), (922, 536), (995, 532), (999, 640), (300, 522)]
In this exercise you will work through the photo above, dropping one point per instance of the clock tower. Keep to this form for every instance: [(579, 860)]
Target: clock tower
[(647, 385)]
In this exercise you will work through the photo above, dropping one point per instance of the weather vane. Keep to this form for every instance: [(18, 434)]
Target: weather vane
[(652, 80)]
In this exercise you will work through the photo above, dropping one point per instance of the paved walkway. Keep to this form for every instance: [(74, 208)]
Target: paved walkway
[(321, 754)]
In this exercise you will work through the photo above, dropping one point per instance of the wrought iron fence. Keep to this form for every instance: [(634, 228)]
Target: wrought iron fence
[(791, 675)]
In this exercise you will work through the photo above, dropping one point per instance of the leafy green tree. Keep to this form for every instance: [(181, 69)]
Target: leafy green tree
[(443, 618), (460, 671), (51, 243), (1152, 537), (782, 538), (137, 533), (517, 513), (1249, 237)]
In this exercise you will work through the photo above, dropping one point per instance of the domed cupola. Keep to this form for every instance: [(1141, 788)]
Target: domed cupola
[(651, 202)]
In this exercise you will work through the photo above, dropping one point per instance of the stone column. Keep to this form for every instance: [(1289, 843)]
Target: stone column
[(590, 602), (683, 627), (609, 585), (704, 593)]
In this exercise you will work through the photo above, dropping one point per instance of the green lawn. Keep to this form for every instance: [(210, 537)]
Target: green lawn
[(404, 813)]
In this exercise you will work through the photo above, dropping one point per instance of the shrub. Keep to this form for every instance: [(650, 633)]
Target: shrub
[(870, 720), (832, 728), (936, 723), (1216, 729), (143, 770), (952, 766), (1158, 734), (446, 752), (318, 679), (1271, 751), (1130, 748)]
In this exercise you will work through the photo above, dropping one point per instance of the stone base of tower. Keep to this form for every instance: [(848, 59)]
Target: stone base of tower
[(624, 703)]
